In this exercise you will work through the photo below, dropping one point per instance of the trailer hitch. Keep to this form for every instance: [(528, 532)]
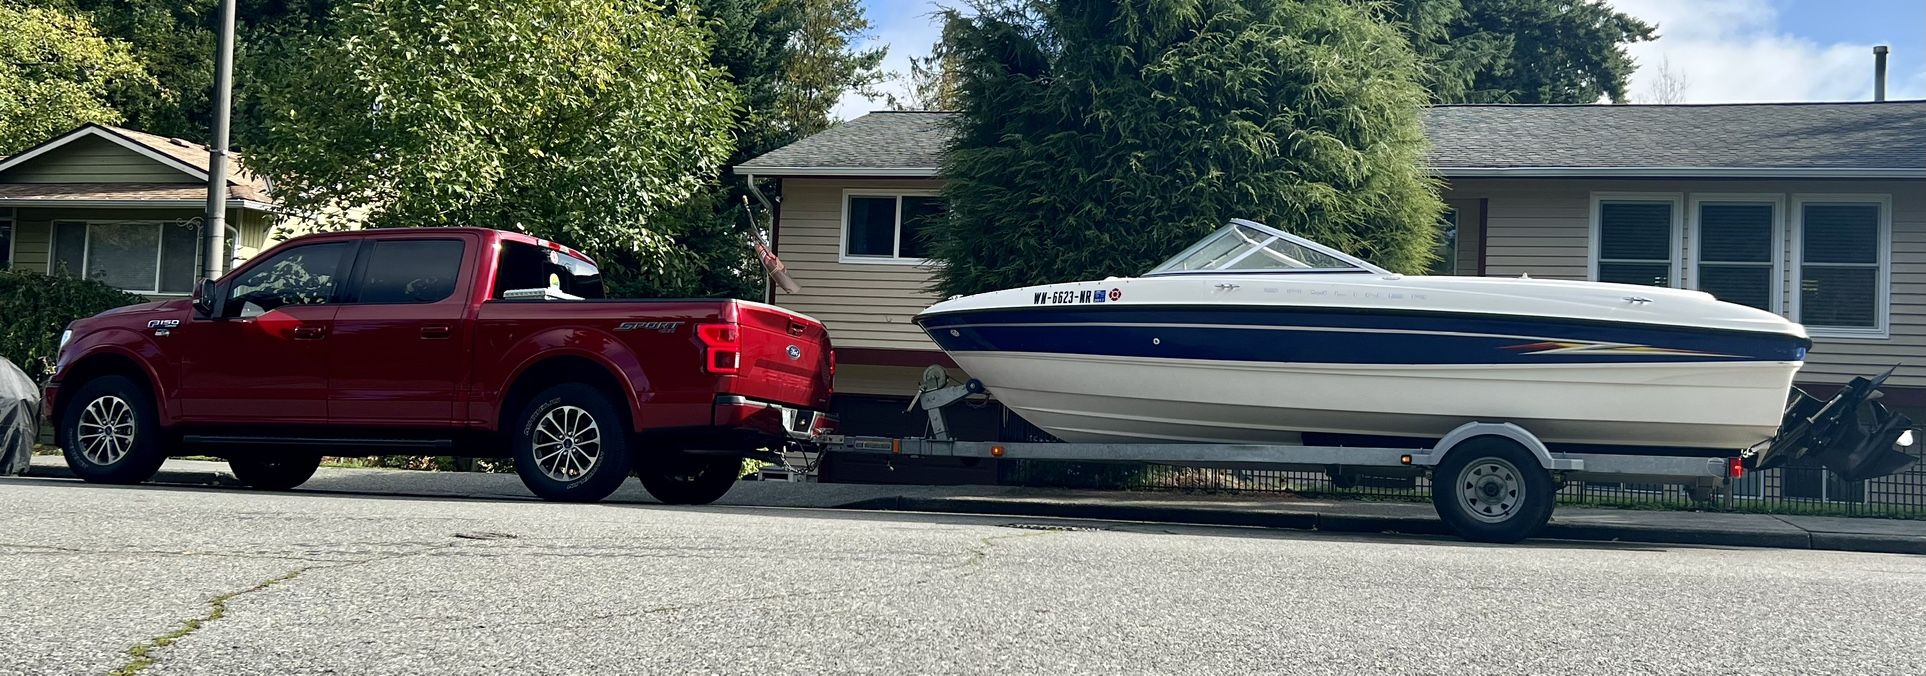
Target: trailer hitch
[(1852, 434)]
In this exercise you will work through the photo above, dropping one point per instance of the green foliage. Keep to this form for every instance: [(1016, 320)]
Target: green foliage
[(1098, 138), (576, 120), (57, 73), (175, 41), (1522, 51), (38, 307)]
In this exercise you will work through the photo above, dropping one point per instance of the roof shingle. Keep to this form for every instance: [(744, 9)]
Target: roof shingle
[(1773, 136)]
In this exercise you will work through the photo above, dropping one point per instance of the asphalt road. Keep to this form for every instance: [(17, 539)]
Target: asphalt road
[(225, 581)]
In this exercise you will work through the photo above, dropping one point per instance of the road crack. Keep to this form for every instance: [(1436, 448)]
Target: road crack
[(143, 656)]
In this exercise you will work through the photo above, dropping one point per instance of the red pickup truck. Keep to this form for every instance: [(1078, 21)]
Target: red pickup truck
[(440, 341)]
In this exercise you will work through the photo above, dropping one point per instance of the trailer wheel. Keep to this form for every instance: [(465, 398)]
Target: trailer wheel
[(1493, 490)]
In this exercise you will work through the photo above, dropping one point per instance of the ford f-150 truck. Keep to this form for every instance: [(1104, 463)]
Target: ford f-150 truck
[(440, 341)]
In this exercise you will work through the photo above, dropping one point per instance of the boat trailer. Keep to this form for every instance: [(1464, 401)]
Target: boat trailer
[(1490, 481)]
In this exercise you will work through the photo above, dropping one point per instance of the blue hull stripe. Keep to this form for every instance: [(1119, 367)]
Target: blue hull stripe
[(1304, 335)]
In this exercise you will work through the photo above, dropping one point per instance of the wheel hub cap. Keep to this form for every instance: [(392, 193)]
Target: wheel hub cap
[(106, 430), (568, 443), (1491, 489)]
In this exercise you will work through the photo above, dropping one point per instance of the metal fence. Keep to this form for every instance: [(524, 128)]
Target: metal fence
[(1789, 490)]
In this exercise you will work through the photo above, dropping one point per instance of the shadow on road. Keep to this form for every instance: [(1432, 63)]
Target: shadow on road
[(870, 515)]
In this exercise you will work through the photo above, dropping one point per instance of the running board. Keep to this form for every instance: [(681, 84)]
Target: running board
[(321, 442), (1851, 434)]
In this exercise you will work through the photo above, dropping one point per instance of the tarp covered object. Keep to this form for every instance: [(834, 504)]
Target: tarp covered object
[(19, 418)]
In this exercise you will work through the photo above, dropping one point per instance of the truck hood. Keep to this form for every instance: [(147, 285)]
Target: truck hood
[(135, 315)]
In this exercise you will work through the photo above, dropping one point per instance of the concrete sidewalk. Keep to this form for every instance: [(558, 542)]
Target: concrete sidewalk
[(1268, 511)]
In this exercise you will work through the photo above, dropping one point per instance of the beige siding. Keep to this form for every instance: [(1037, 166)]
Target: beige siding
[(30, 243), (1543, 228), (865, 305), (95, 160)]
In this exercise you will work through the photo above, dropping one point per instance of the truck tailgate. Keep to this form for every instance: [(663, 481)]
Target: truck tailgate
[(786, 357)]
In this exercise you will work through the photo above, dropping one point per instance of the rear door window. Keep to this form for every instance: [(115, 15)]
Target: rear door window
[(405, 271)]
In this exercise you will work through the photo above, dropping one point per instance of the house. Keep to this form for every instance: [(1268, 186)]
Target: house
[(1813, 210), (123, 207)]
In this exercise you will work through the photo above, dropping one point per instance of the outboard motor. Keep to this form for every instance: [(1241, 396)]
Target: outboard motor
[(1852, 434)]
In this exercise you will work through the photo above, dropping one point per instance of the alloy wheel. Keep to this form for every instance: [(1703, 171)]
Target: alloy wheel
[(106, 430), (568, 443)]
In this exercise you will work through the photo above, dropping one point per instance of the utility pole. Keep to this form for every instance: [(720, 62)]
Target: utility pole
[(216, 221)]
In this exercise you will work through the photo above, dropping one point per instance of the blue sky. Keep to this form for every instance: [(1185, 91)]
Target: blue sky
[(1726, 50)]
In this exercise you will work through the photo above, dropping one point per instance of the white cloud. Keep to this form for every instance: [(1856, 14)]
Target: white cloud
[(1733, 51), (909, 30)]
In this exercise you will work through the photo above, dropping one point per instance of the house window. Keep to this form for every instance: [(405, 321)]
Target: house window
[(138, 256), (1636, 240), (1841, 253), (1446, 251), (6, 243), (888, 228), (1736, 248)]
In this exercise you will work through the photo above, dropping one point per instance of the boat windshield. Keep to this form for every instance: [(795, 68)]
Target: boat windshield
[(1245, 246)]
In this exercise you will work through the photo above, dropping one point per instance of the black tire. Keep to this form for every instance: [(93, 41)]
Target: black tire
[(690, 480), (1493, 490), (133, 453), (277, 472), (557, 473)]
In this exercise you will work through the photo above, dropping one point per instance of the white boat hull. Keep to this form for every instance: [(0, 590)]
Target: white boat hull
[(1104, 398)]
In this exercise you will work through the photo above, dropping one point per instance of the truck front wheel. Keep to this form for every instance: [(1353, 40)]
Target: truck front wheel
[(111, 432), (690, 480), (571, 445)]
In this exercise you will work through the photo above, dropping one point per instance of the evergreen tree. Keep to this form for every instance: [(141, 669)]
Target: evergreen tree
[(1522, 51), (1096, 138)]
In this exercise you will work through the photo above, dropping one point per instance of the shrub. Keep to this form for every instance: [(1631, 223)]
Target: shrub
[(34, 308)]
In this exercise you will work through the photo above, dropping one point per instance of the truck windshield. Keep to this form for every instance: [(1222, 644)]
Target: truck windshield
[(526, 267)]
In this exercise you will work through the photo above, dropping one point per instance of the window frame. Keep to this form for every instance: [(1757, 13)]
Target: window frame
[(1882, 279), (1777, 258), (87, 249), (9, 221), (842, 229), (1675, 257)]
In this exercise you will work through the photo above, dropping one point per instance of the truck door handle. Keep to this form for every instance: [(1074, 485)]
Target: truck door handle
[(436, 332), (308, 333)]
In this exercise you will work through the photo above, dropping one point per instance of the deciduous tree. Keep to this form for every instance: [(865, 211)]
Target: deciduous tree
[(577, 120), (56, 73)]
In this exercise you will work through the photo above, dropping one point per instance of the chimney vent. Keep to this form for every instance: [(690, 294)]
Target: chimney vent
[(1879, 72)]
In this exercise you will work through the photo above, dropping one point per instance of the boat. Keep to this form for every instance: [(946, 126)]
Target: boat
[(1257, 336)]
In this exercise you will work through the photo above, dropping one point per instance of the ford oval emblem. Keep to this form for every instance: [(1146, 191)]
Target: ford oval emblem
[(795, 352)]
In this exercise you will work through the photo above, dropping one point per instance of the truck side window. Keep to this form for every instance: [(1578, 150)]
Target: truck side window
[(526, 266), (410, 271), (303, 275)]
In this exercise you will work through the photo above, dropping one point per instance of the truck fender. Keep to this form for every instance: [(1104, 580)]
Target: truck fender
[(132, 346), (595, 346)]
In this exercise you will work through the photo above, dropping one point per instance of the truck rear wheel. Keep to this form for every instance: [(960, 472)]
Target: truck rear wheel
[(1493, 490), (275, 473), (111, 434), (570, 444), (691, 480)]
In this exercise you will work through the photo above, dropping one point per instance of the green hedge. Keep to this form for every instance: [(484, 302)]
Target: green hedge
[(35, 307)]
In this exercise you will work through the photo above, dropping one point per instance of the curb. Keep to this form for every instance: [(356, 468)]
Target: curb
[(1355, 523), (165, 476)]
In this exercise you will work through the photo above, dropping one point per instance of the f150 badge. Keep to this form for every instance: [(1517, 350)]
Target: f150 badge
[(658, 327)]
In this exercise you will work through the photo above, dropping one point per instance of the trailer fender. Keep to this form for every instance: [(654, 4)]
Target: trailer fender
[(1473, 430)]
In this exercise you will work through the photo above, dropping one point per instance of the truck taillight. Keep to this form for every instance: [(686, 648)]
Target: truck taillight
[(721, 347)]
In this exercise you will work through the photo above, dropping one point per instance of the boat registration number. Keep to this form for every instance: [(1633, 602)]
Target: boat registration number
[(1079, 296)]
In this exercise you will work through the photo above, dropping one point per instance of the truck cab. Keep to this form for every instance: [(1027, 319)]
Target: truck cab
[(440, 341)]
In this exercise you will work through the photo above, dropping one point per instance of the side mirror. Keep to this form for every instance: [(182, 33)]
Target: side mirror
[(203, 300)]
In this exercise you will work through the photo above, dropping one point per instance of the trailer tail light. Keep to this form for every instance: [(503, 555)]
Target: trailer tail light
[(721, 347), (1734, 468)]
